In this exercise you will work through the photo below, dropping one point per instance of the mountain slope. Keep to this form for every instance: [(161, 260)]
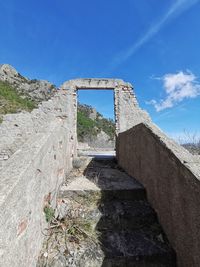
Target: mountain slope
[(37, 90), (18, 93), (91, 123), (11, 101)]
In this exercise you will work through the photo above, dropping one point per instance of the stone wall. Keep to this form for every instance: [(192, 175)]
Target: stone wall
[(36, 151), (41, 147), (127, 111), (16, 129), (171, 176)]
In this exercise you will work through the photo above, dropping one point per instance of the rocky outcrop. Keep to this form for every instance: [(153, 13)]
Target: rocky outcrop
[(37, 90), (93, 114), (93, 129), (102, 140)]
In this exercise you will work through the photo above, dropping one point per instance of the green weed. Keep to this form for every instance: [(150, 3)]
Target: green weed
[(49, 213)]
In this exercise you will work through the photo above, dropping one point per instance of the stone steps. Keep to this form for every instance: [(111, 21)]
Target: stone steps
[(106, 195), (128, 233), (116, 225), (133, 248), (125, 214)]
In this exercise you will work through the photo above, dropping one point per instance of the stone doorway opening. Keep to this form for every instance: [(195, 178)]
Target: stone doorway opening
[(126, 110), (96, 121)]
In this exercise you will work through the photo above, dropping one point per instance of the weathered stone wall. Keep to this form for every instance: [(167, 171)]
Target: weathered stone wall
[(127, 111), (42, 148), (171, 176), (16, 129), (36, 151)]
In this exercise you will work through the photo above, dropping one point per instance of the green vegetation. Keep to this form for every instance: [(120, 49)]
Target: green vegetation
[(49, 213), (85, 126), (12, 102), (89, 128), (107, 125)]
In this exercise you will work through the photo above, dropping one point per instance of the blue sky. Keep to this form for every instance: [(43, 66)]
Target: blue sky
[(152, 44)]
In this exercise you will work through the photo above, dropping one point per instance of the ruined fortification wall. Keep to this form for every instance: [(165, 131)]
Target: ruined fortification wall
[(16, 129), (127, 111), (171, 176), (36, 151)]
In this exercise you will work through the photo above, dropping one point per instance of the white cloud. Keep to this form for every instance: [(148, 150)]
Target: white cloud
[(178, 86), (176, 9)]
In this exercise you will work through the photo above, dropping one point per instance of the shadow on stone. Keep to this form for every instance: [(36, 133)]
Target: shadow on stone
[(128, 230)]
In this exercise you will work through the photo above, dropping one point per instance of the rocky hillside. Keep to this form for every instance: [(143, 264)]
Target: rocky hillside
[(18, 93), (12, 102), (36, 90), (93, 128)]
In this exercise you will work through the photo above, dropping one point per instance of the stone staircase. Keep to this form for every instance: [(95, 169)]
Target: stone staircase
[(107, 222)]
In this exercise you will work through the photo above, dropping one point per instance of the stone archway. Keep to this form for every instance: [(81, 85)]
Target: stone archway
[(126, 109)]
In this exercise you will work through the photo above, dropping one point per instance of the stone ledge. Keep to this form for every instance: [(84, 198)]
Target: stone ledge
[(187, 159), (95, 83)]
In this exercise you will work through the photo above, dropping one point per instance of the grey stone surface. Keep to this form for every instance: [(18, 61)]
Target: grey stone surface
[(102, 140), (93, 114), (95, 83), (171, 176), (16, 129), (37, 153)]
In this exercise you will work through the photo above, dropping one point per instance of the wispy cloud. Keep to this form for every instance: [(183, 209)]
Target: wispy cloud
[(177, 8), (178, 87)]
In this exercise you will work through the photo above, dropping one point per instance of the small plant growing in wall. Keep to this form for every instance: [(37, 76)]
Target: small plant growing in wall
[(48, 210), (49, 213)]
